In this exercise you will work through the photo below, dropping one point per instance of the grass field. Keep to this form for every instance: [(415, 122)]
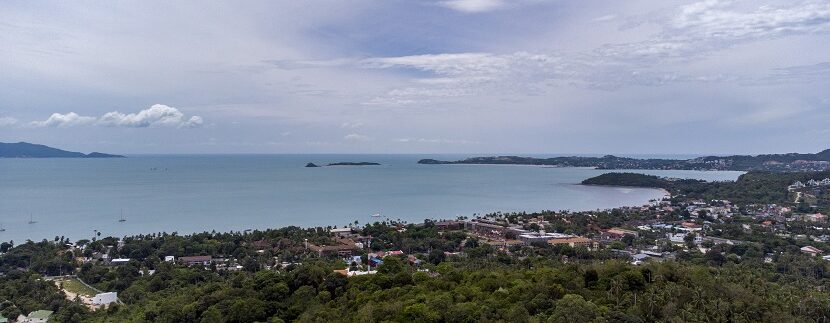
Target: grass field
[(75, 286)]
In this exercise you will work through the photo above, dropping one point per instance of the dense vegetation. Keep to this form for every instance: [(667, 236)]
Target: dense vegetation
[(751, 188)]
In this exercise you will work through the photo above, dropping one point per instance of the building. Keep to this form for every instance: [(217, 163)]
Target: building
[(812, 182), (170, 258), (540, 237), (795, 186), (620, 232), (342, 232), (825, 181), (343, 248), (449, 225), (810, 250), (39, 316), (573, 242), (196, 260), (105, 298)]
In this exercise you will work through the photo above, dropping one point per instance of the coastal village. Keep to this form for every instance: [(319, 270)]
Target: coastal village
[(661, 230)]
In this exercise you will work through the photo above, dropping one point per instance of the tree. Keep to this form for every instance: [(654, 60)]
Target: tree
[(574, 308)]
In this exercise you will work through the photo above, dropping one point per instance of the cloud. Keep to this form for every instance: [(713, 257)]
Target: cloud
[(7, 121), (64, 120), (157, 115), (356, 137), (473, 6)]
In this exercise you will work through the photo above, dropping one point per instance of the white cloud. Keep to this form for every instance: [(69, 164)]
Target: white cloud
[(356, 137), (156, 115), (351, 125), (64, 120), (7, 121), (473, 6)]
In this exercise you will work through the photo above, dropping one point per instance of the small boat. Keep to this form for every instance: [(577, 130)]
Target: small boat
[(376, 215), (122, 219), (2, 228), (31, 219)]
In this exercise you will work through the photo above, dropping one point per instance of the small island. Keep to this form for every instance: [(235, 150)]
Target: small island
[(311, 165), (354, 164)]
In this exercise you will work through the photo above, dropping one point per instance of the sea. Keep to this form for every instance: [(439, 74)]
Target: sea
[(80, 198)]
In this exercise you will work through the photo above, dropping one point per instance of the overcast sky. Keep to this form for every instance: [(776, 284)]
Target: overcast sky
[(467, 76)]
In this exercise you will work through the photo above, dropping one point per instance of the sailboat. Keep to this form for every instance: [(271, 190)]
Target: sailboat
[(31, 219), (376, 215), (122, 217), (2, 228)]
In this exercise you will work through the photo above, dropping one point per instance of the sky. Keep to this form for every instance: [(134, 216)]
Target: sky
[(417, 76)]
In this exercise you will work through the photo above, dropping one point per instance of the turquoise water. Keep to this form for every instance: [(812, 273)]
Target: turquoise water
[(185, 194)]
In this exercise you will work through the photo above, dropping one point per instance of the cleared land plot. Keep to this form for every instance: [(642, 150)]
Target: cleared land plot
[(72, 285)]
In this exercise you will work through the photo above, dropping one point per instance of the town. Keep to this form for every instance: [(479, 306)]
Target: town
[(98, 275)]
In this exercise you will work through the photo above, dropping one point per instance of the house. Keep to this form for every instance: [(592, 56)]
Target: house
[(825, 182), (39, 316), (810, 250), (170, 258), (812, 182), (620, 232), (196, 260), (342, 232), (573, 242), (105, 298), (343, 248), (639, 258)]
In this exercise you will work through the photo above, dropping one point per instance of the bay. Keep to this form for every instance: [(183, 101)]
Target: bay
[(193, 193)]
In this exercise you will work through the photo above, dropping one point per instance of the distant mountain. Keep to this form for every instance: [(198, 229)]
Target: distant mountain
[(770, 162), (27, 150)]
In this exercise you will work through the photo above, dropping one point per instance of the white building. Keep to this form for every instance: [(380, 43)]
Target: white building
[(825, 181), (342, 232), (796, 185), (812, 182), (105, 298), (170, 258)]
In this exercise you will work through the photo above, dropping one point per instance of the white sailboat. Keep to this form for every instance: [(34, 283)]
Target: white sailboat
[(122, 219), (31, 219)]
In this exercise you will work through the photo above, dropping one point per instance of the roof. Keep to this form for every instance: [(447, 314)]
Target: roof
[(40, 314), (569, 240), (196, 258), (339, 230)]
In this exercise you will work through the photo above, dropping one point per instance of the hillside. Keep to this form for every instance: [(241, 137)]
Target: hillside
[(770, 162), (27, 150), (749, 188)]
